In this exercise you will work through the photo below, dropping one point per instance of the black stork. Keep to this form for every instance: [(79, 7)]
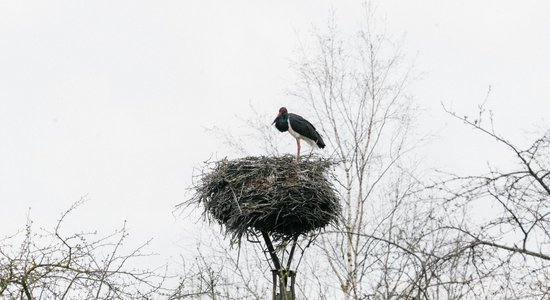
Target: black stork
[(299, 128)]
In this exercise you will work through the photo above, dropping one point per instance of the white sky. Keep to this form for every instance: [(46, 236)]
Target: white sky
[(110, 98)]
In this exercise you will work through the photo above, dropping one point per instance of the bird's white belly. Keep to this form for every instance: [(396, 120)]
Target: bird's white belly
[(292, 132)]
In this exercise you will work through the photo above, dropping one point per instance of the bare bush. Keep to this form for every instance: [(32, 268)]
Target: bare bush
[(84, 265)]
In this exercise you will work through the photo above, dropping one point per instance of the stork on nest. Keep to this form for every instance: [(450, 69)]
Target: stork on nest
[(299, 128)]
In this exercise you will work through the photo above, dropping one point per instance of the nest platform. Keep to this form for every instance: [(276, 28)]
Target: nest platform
[(277, 195)]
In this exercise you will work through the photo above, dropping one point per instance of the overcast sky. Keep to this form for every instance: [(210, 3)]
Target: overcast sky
[(110, 99)]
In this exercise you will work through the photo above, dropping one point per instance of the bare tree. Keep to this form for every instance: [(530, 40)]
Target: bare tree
[(357, 90), (512, 229), (84, 265)]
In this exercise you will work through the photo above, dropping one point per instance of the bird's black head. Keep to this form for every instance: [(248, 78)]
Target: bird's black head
[(282, 112)]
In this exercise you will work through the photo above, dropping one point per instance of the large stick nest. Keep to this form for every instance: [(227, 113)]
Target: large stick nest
[(277, 195)]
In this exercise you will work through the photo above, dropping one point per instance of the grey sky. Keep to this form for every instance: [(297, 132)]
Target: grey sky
[(110, 98)]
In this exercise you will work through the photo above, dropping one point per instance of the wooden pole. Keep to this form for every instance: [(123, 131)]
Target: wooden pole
[(280, 274), (274, 294), (282, 284), (294, 242), (274, 258), (292, 281)]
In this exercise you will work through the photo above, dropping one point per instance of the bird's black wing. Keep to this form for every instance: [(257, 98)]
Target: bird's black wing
[(305, 128)]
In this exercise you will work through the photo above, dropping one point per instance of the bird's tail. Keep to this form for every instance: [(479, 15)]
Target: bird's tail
[(320, 143)]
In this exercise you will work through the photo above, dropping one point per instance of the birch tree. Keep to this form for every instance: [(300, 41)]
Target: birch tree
[(357, 90)]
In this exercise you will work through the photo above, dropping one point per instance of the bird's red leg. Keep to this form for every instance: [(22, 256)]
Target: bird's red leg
[(298, 143)]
